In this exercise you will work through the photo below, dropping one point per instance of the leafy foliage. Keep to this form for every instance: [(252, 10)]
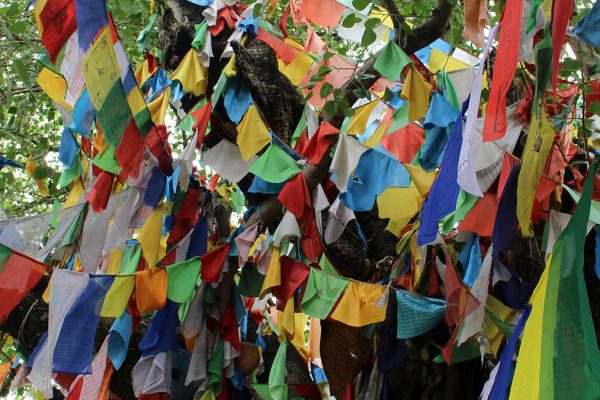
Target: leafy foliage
[(30, 126)]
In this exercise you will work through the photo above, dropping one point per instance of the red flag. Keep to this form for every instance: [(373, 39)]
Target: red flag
[(100, 193), (311, 242), (157, 142), (505, 66), (325, 13), (211, 263), (225, 15), (186, 217), (293, 273), (59, 23), (459, 303), (302, 142), (319, 142), (228, 327), (213, 182), (459, 300), (482, 217), (284, 51), (561, 14), (202, 117), (295, 197), (130, 152), (75, 391), (19, 277), (404, 143), (507, 163)]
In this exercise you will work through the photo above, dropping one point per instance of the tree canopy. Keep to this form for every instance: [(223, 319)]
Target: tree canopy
[(306, 198)]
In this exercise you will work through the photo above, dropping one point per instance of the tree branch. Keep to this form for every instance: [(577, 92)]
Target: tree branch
[(431, 29), (397, 19)]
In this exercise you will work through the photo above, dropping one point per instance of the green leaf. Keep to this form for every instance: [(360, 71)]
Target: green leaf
[(368, 37), (326, 90), (323, 70), (372, 23), (316, 78), (21, 71), (330, 107), (346, 109), (570, 64), (350, 20), (40, 172), (257, 10), (361, 93), (309, 95), (594, 108), (13, 10), (328, 55), (18, 28), (365, 76), (360, 4), (406, 28)]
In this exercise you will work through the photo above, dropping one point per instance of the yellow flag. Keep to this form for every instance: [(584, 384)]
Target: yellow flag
[(142, 73), (383, 15), (297, 341), (415, 252), (257, 244), (101, 68), (535, 154), (208, 395), (136, 101), (399, 202), (416, 90), (230, 69), (191, 74), (118, 296), (273, 277), (395, 225), (37, 10), (492, 332), (46, 295), (150, 237), (358, 123), (74, 194), (287, 323), (253, 134), (294, 43), (30, 167), (298, 68), (158, 107), (440, 60), (114, 261), (375, 138), (361, 304), (422, 179), (54, 86), (222, 190), (526, 382)]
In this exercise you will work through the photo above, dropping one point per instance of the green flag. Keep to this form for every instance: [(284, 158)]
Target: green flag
[(278, 374), (562, 361), (445, 84), (391, 61), (322, 292), (182, 276), (543, 61), (250, 281), (275, 165)]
